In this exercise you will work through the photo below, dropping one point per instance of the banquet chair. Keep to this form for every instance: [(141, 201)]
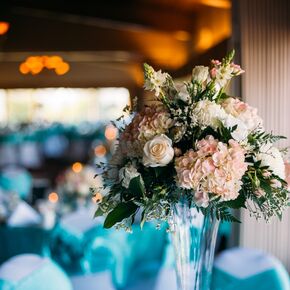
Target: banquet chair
[(72, 233), (31, 272), (248, 269), (129, 257), (9, 149), (16, 179), (23, 240)]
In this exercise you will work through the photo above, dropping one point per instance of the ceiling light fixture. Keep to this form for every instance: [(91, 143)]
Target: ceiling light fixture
[(35, 64), (4, 27)]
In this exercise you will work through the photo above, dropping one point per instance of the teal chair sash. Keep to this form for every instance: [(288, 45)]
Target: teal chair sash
[(273, 279), (248, 269)]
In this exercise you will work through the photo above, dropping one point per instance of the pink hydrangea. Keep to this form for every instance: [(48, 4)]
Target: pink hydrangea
[(150, 122), (244, 112), (215, 168)]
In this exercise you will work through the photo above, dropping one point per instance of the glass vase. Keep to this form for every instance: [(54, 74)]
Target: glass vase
[(194, 238)]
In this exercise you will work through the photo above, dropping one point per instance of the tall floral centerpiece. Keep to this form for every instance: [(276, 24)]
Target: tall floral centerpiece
[(188, 159)]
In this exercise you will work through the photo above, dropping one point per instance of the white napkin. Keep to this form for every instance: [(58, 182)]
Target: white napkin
[(80, 221), (24, 215)]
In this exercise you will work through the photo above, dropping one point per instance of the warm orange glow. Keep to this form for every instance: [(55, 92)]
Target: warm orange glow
[(111, 132), (52, 62), (205, 39), (62, 68), (182, 35), (35, 64), (100, 150), (4, 27), (24, 69), (137, 74), (77, 167), (53, 197), (226, 4), (97, 198)]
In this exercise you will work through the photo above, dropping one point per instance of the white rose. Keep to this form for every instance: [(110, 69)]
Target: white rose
[(272, 157), (201, 199), (158, 152), (200, 73), (127, 173)]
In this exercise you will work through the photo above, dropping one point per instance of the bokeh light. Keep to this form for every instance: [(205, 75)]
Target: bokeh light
[(100, 150), (62, 68), (53, 197), (52, 62), (24, 69), (111, 132), (35, 64), (4, 27), (77, 167)]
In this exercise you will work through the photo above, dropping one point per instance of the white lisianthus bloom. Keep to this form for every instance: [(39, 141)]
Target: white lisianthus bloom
[(155, 82), (127, 173), (200, 73), (271, 156), (182, 92), (241, 132), (223, 75), (158, 152), (201, 199), (208, 113)]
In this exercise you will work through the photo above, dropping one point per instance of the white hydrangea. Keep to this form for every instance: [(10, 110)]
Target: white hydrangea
[(271, 156), (208, 113), (241, 132), (127, 173)]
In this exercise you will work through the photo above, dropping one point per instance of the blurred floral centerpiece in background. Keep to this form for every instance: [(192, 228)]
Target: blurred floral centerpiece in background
[(74, 186), (188, 159)]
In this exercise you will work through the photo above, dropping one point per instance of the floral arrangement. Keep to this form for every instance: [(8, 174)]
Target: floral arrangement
[(74, 188), (193, 142)]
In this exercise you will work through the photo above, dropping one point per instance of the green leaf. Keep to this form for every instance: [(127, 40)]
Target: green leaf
[(237, 203), (159, 171), (142, 219), (136, 186), (98, 212), (121, 211), (266, 187), (229, 57)]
